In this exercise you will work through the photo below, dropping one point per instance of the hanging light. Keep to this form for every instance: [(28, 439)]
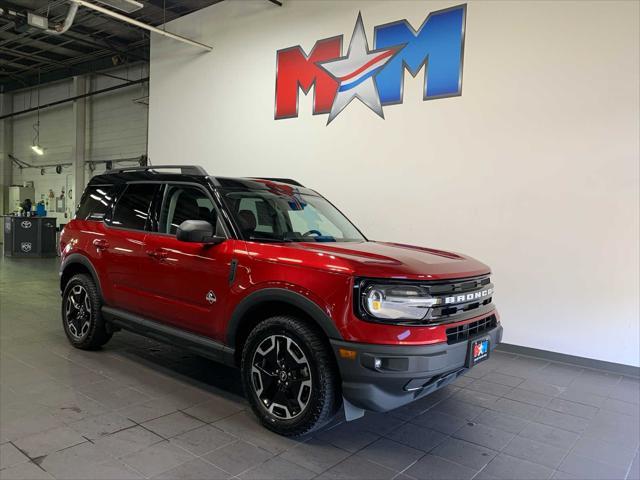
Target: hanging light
[(35, 146)]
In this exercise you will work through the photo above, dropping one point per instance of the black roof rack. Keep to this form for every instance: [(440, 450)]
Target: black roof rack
[(184, 169), (290, 181)]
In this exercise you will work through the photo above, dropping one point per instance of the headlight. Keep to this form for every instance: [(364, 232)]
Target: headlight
[(397, 302)]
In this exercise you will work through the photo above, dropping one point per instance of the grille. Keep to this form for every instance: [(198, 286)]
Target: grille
[(463, 332), (464, 288)]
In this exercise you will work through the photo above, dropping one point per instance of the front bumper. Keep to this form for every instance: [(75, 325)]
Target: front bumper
[(406, 373)]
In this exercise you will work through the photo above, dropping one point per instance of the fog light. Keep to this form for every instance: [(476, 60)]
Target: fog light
[(377, 363)]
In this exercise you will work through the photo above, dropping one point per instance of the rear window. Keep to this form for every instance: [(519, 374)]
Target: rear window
[(132, 210), (95, 202)]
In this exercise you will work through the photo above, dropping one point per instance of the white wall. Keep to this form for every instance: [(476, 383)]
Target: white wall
[(116, 129), (534, 169), (117, 124)]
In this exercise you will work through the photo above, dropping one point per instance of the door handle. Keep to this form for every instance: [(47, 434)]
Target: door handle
[(157, 254), (100, 244)]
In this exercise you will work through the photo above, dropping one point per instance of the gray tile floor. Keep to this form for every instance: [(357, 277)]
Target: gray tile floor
[(139, 409)]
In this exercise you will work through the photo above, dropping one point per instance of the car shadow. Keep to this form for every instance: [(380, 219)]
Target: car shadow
[(177, 363)]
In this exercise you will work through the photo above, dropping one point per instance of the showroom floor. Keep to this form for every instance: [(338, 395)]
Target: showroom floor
[(139, 409)]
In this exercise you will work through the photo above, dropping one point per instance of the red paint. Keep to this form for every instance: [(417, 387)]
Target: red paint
[(162, 278), (296, 70)]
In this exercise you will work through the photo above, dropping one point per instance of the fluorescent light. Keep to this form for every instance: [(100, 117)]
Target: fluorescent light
[(38, 149)]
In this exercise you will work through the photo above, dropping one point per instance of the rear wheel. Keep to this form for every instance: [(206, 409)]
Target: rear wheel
[(81, 316), (290, 376)]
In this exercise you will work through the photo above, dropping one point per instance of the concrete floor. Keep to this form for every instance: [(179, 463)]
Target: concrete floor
[(139, 409)]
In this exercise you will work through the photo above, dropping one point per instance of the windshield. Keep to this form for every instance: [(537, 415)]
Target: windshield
[(288, 216)]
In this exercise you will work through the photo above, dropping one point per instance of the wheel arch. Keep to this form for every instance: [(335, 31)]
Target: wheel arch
[(268, 302), (74, 264)]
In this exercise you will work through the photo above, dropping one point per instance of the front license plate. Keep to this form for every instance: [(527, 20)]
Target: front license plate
[(478, 351)]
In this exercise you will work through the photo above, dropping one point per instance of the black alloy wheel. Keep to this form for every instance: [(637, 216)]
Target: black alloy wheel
[(81, 316), (290, 376), (281, 377), (78, 312)]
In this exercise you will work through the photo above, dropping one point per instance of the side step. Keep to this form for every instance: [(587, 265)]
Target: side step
[(198, 344)]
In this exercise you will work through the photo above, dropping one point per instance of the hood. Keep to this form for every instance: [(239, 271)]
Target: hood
[(380, 259)]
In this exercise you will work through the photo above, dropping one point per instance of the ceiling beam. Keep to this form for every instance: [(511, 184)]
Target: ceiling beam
[(58, 49), (94, 41), (89, 67), (77, 97)]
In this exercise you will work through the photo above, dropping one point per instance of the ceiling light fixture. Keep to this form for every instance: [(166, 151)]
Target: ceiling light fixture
[(38, 149), (35, 146)]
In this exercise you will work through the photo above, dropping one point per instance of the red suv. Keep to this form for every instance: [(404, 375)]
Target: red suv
[(268, 275)]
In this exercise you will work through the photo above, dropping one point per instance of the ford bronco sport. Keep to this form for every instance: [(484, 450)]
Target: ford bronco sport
[(268, 275)]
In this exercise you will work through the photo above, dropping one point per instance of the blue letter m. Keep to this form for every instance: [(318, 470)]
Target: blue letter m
[(437, 46)]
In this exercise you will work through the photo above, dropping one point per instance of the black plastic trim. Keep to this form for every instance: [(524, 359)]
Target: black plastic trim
[(78, 258), (198, 344), (407, 372), (280, 295), (232, 271)]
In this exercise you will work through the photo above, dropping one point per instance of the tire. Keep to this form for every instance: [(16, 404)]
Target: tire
[(81, 315), (313, 395)]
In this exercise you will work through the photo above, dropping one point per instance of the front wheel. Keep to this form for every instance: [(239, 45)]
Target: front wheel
[(290, 376)]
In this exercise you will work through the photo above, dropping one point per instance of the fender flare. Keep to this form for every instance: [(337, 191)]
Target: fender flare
[(78, 258), (286, 296)]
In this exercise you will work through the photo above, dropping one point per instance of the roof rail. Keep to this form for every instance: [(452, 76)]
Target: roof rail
[(184, 169), (290, 181)]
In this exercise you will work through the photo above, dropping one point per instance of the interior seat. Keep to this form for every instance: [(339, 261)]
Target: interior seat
[(248, 222)]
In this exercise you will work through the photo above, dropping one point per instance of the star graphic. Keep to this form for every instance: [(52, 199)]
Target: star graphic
[(355, 73)]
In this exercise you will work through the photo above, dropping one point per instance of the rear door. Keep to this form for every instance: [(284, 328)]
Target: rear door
[(122, 248), (188, 282)]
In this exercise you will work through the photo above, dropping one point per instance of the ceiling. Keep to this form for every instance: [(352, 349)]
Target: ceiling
[(94, 42)]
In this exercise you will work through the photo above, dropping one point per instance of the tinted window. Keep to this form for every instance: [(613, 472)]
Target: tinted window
[(95, 202), (132, 210), (182, 203)]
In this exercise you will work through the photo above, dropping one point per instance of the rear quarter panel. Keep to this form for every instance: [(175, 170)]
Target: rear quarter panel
[(77, 238)]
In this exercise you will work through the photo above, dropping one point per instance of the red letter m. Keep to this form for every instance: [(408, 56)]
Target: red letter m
[(296, 69)]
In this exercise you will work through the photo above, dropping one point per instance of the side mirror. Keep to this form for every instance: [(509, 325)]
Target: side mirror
[(198, 231)]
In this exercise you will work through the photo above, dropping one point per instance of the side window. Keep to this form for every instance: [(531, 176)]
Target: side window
[(95, 202), (132, 210), (182, 203)]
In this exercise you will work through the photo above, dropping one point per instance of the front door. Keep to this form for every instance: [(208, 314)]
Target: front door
[(187, 281)]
